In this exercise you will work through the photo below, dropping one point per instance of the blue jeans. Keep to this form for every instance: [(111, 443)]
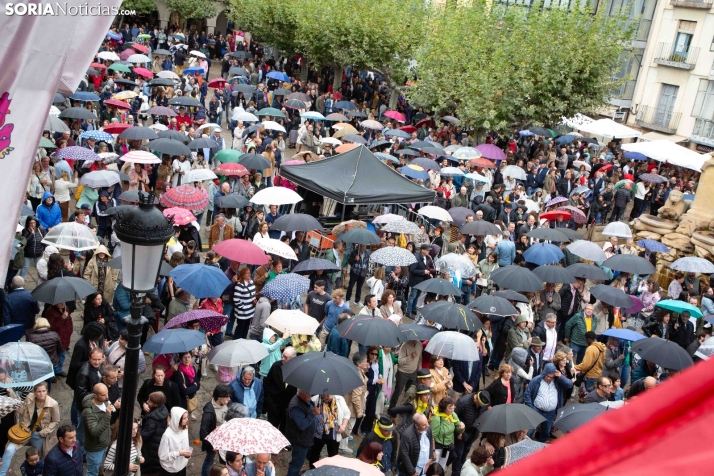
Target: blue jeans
[(228, 311), (545, 427), (76, 418), (411, 302), (578, 351), (28, 262), (62, 355), (208, 462), (298, 459), (94, 461), (35, 440), (590, 383)]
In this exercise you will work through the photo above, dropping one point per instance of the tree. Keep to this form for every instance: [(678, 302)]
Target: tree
[(197, 9), (272, 22), (498, 66), (139, 6)]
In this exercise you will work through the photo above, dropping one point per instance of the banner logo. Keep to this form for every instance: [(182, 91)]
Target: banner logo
[(5, 129)]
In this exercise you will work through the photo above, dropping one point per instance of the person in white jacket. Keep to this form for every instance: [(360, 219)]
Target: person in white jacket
[(42, 264), (174, 449)]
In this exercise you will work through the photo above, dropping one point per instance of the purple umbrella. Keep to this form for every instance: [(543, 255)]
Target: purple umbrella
[(492, 152), (211, 321), (555, 201), (77, 153), (637, 306)]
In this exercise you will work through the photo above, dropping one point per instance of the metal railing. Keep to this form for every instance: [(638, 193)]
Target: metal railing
[(658, 119), (668, 55), (703, 132), (705, 4)]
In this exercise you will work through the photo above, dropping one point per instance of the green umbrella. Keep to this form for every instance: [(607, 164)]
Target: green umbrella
[(45, 143), (120, 67), (679, 307), (553, 132), (228, 156), (144, 36), (270, 111)]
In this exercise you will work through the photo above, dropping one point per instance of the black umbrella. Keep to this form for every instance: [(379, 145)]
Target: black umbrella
[(438, 286), (379, 143), (359, 114), (329, 470), (571, 234), (508, 419), (62, 289), (296, 222), (360, 236), (126, 82), (420, 144), (612, 296), (251, 129), (451, 316), (587, 271), (541, 131), (496, 305), (512, 296), (367, 330), (138, 133), (254, 161), (314, 264), (133, 196), (664, 353), (459, 214), (588, 140), (417, 332), (77, 113), (282, 92), (175, 135), (480, 228), (355, 138), (164, 269), (236, 71), (202, 143), (516, 278), (162, 52), (410, 152), (322, 373), (232, 201), (184, 101), (169, 147), (432, 150), (550, 273), (240, 54), (244, 88), (161, 82), (571, 416), (630, 264), (550, 234)]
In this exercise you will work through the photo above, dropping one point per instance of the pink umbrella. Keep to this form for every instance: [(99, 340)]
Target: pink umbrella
[(242, 251), (397, 116), (576, 213), (141, 48), (126, 53), (637, 305), (363, 468), (185, 196), (181, 215), (489, 151), (248, 436), (211, 321), (144, 72), (294, 162)]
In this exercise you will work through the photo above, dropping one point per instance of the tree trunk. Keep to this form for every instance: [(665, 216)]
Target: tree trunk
[(393, 98), (304, 69), (337, 81)]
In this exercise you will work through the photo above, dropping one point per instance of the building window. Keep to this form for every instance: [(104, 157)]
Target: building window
[(704, 102)]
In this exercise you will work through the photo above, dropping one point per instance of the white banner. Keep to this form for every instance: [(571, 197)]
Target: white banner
[(40, 53)]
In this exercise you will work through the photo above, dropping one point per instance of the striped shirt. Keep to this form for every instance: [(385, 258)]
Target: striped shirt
[(547, 398), (243, 295)]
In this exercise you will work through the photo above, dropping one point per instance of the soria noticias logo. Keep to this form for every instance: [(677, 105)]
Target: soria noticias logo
[(64, 9)]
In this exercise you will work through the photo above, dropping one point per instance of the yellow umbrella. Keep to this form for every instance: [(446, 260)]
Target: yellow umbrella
[(125, 95), (345, 131)]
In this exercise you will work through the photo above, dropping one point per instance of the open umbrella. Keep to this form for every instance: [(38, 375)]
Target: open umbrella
[(397, 116), (623, 334), (211, 321), (27, 363), (480, 228), (491, 151), (231, 170), (678, 306), (664, 353), (181, 215), (459, 215), (587, 250), (554, 274), (468, 153), (173, 341), (296, 222), (611, 295), (388, 218), (453, 345), (277, 248), (692, 264), (168, 146), (511, 295), (436, 213), (456, 262), (637, 305), (314, 264), (274, 195), (9, 405), (185, 196), (360, 236), (417, 332), (292, 321), (587, 271), (393, 256), (554, 201), (199, 175), (77, 153), (508, 419), (285, 287), (515, 172), (516, 278), (572, 416), (402, 227), (438, 286), (200, 280), (138, 133), (415, 172), (493, 305), (100, 179), (553, 214), (235, 353), (543, 253), (653, 246), (247, 436), (364, 469), (617, 228), (71, 236), (242, 251), (321, 373), (62, 289), (550, 234), (630, 264), (370, 331)]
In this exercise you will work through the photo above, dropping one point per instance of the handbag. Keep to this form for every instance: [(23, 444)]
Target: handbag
[(580, 378), (19, 434), (191, 402)]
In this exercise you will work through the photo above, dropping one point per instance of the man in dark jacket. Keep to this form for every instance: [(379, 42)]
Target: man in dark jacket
[(468, 408), (65, 458), (569, 304), (420, 271), (96, 417), (489, 213), (551, 381), (89, 375), (565, 185), (277, 393), (622, 198), (413, 439), (358, 261), (104, 221), (213, 415), (382, 434), (466, 376), (300, 429), (19, 306), (683, 333)]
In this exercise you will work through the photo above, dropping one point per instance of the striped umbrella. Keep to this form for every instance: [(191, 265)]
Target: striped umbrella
[(97, 135), (653, 246), (141, 157), (185, 196), (77, 153), (181, 215), (286, 287)]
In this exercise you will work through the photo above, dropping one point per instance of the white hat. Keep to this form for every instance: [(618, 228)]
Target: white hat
[(217, 129)]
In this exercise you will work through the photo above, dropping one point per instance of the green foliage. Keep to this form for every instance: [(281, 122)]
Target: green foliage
[(504, 65), (139, 6), (272, 22), (193, 8)]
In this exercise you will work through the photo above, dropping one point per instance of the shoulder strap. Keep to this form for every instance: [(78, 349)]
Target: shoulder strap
[(39, 420), (594, 363), (119, 358)]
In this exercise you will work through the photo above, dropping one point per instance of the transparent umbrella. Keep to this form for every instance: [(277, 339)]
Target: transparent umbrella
[(456, 262), (27, 364), (71, 236)]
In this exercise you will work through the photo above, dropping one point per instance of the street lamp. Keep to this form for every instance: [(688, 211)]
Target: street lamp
[(143, 232)]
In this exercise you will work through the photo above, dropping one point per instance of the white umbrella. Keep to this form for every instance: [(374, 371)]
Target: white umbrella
[(71, 236), (531, 206), (580, 163), (276, 247), (467, 153), (453, 148), (431, 211), (476, 178), (667, 151), (402, 226), (239, 114), (393, 256), (331, 140), (388, 218), (108, 155), (210, 125), (276, 196), (293, 321), (273, 126), (158, 127), (141, 157), (28, 364), (199, 175), (138, 58), (54, 111), (100, 179), (108, 55), (451, 171), (619, 229), (587, 250), (197, 53), (167, 75), (453, 345), (515, 172), (235, 353)]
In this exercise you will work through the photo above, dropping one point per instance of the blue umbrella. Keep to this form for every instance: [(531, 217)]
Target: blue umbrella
[(653, 246), (346, 105), (173, 341), (680, 307), (635, 156), (200, 280), (566, 139), (425, 163), (279, 75), (316, 116), (58, 99), (286, 287), (113, 36), (397, 133), (543, 253), (97, 135), (386, 157), (84, 96), (412, 173), (194, 69), (624, 334)]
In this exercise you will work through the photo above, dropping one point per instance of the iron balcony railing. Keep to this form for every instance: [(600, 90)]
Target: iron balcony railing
[(669, 55), (658, 119)]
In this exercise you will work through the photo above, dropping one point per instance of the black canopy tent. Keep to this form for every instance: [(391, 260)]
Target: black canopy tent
[(356, 177)]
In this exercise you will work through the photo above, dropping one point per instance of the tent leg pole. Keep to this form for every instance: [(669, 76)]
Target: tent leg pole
[(343, 212)]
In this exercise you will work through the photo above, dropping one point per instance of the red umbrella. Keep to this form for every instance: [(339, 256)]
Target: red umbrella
[(577, 214), (126, 53), (554, 214), (116, 128), (629, 177), (116, 103), (242, 251), (141, 48), (605, 168), (185, 196), (481, 162), (426, 122), (181, 215), (144, 72), (337, 96), (397, 116), (216, 83), (98, 66), (231, 170), (408, 129)]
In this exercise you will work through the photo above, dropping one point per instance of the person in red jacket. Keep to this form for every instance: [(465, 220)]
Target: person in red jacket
[(61, 323)]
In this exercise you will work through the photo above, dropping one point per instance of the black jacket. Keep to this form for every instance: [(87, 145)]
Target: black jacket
[(566, 297), (169, 389), (153, 427), (86, 379), (208, 424), (468, 412), (683, 334), (277, 395), (80, 355), (499, 393), (417, 271), (59, 463), (186, 388), (372, 437), (293, 432), (489, 213), (564, 187), (409, 450)]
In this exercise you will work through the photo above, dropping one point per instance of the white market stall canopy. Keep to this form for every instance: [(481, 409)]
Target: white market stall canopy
[(669, 152), (609, 128)]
